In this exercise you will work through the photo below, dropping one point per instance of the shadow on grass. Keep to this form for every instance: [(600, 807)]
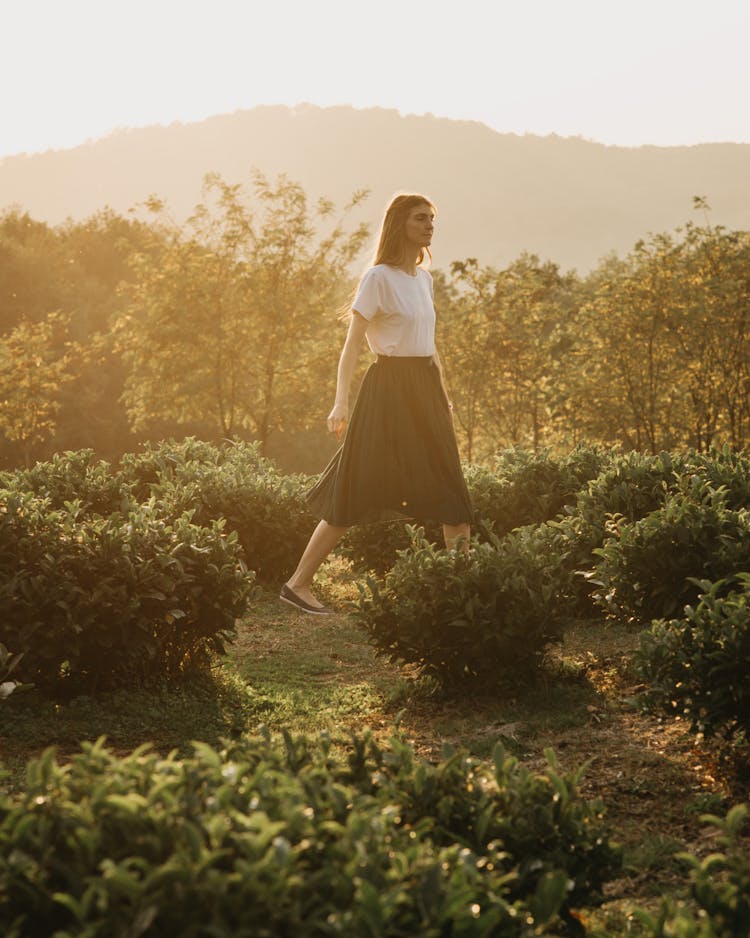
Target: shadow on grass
[(203, 706), (322, 673)]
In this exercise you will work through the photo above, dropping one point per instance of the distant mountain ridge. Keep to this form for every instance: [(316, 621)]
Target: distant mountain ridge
[(567, 199)]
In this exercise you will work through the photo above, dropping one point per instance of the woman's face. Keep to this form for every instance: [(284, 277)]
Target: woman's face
[(419, 225)]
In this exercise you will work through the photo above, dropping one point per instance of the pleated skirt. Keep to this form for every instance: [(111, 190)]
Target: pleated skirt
[(399, 458)]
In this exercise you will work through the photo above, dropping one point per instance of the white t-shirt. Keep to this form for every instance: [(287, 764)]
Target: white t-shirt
[(399, 310)]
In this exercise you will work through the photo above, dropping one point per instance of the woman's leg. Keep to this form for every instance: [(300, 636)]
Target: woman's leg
[(324, 538), (452, 532)]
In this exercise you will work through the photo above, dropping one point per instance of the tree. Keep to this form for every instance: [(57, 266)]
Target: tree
[(662, 357), (231, 319), (461, 305), (625, 378), (506, 333), (710, 325), (74, 268), (32, 376)]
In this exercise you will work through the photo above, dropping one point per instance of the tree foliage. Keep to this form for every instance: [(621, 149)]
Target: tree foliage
[(72, 270), (662, 357), (35, 365), (505, 334), (233, 317), (225, 326)]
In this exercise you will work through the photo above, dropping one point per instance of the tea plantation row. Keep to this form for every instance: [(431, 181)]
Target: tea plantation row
[(661, 543), (118, 574), (122, 573)]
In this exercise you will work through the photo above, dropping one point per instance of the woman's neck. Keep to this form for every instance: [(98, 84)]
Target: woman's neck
[(409, 263)]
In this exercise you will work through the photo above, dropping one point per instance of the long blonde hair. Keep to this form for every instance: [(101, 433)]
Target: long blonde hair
[(391, 243)]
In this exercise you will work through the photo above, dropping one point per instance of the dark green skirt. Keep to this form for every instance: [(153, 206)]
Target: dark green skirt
[(399, 458)]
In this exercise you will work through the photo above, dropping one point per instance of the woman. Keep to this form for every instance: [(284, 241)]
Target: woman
[(399, 458)]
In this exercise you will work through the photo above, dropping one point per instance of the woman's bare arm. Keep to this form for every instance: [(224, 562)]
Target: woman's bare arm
[(347, 363)]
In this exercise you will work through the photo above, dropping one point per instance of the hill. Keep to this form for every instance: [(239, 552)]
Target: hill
[(567, 199)]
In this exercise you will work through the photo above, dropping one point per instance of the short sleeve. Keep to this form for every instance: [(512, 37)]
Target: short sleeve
[(368, 299)]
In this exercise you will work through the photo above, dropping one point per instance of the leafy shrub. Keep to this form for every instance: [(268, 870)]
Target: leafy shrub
[(719, 468), (631, 486), (231, 481), (258, 840), (523, 488), (519, 489), (479, 614), (156, 463), (73, 476), (106, 598), (267, 511), (719, 885), (213, 481), (375, 547), (536, 817), (649, 569), (699, 665)]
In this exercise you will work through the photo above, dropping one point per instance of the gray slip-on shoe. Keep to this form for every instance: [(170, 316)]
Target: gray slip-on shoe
[(288, 595)]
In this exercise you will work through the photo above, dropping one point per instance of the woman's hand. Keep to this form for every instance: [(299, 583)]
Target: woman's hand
[(337, 420)]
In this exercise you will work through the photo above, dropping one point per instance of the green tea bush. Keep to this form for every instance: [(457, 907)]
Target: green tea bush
[(699, 665), (234, 482), (260, 840), (719, 886), (459, 615), (523, 488), (537, 818), (630, 486), (375, 547), (267, 511), (106, 599), (213, 481), (719, 468), (633, 485), (73, 476), (165, 461), (648, 569)]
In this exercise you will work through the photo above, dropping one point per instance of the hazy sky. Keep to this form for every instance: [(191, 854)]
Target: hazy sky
[(619, 71)]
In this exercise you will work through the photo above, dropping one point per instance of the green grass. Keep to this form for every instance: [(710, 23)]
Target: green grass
[(288, 670), (654, 854), (169, 716), (313, 673)]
